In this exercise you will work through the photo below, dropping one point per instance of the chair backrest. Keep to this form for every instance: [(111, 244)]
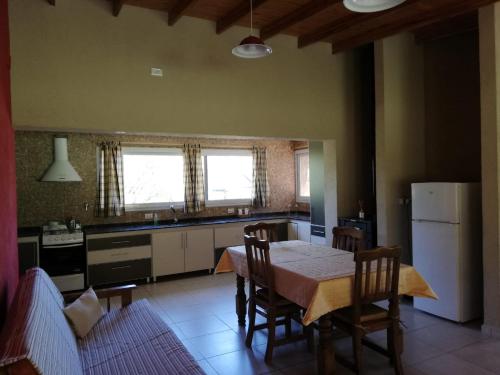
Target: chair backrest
[(377, 283), (263, 231), (260, 270), (348, 238)]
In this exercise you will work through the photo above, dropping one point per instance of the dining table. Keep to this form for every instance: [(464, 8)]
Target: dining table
[(317, 278)]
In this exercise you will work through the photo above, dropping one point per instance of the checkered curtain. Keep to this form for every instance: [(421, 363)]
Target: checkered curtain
[(194, 184), (260, 186), (110, 199)]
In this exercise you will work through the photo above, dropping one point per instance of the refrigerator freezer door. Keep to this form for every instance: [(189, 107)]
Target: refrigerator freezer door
[(436, 254), (434, 201)]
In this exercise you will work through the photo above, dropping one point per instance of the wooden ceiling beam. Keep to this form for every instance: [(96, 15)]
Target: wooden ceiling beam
[(175, 13), (235, 14), (331, 28), (458, 25), (387, 24), (117, 7), (294, 17)]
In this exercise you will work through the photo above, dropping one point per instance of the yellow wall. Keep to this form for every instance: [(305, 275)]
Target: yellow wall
[(400, 135), (489, 52), (75, 66)]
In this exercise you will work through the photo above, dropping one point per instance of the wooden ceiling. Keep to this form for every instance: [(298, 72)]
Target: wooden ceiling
[(313, 21)]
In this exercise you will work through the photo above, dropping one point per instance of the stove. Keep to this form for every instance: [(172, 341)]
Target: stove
[(61, 235), (62, 256)]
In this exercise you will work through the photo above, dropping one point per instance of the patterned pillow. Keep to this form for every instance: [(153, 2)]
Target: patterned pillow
[(37, 337)]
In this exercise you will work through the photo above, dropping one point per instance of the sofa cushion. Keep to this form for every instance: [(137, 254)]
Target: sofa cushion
[(135, 340), (84, 312), (36, 334)]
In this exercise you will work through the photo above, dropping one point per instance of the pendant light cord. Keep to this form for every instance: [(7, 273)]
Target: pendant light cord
[(251, 17)]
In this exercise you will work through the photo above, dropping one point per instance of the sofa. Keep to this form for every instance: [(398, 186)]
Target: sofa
[(133, 339)]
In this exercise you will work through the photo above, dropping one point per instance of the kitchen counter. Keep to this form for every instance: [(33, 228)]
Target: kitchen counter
[(163, 224), (28, 232)]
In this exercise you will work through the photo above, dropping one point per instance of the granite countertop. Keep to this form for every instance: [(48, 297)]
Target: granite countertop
[(125, 227), (28, 232), (149, 225)]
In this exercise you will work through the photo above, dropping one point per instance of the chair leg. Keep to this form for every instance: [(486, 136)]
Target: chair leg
[(271, 333), (251, 323), (309, 333), (357, 347), (390, 345), (288, 326), (396, 345)]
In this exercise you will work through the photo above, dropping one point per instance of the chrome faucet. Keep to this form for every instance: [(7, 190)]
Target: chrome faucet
[(174, 212)]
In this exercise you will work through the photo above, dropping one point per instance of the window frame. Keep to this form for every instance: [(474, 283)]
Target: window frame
[(300, 198), (151, 151), (223, 152)]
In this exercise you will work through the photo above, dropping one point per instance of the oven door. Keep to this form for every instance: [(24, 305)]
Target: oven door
[(59, 260)]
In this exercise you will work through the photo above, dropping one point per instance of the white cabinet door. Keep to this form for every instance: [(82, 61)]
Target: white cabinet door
[(168, 253), (304, 231), (293, 232), (199, 245)]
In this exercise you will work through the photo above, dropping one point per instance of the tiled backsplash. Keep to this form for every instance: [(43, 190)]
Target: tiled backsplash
[(39, 202)]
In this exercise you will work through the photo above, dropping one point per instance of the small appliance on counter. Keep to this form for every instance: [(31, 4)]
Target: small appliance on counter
[(62, 255)]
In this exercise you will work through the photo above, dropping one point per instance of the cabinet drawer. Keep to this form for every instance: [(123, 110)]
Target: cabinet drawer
[(359, 225), (317, 230), (108, 273), (118, 242), (229, 236), (118, 255)]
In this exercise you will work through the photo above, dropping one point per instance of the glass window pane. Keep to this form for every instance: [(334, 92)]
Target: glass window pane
[(156, 178), (303, 160), (229, 177)]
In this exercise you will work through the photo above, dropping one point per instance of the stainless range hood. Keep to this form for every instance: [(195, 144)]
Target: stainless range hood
[(61, 170)]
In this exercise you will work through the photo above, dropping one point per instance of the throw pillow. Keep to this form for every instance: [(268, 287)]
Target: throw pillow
[(84, 313)]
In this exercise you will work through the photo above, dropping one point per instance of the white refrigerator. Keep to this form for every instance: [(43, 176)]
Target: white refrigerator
[(447, 250)]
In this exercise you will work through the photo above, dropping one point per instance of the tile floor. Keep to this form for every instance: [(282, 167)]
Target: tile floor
[(200, 310)]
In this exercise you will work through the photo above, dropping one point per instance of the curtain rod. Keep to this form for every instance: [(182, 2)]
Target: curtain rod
[(180, 145)]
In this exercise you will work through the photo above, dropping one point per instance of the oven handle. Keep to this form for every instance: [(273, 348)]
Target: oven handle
[(62, 246)]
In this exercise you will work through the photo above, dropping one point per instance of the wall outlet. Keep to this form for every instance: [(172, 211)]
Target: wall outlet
[(156, 72), (230, 210), (148, 216)]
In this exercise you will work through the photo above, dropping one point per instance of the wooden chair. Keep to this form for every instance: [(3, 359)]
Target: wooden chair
[(364, 317), (348, 238), (266, 302), (263, 231)]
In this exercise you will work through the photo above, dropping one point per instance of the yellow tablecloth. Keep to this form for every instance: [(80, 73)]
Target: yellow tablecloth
[(318, 278)]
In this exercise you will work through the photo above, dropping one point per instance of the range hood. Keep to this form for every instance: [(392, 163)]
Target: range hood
[(61, 170)]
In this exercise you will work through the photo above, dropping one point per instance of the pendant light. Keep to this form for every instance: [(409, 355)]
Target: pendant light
[(368, 6), (252, 47)]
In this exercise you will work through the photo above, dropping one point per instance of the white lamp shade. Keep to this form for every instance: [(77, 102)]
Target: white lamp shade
[(368, 6), (252, 48)]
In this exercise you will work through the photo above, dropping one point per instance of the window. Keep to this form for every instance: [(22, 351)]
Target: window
[(302, 175), (228, 177), (152, 177)]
